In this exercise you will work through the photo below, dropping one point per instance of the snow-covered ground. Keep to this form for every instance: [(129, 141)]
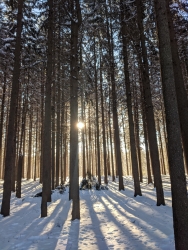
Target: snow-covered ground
[(109, 220)]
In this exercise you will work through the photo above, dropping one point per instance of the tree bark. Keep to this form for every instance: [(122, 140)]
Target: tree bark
[(180, 87), (97, 117), (103, 128), (74, 172), (117, 146), (124, 136), (150, 121), (137, 189), (83, 137), (177, 172), (137, 138), (55, 174), (1, 123), (19, 177), (58, 129), (10, 160), (30, 147), (111, 147), (46, 189), (42, 127)]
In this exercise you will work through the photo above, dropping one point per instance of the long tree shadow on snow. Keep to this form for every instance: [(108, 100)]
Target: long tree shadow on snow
[(73, 237), (155, 231), (101, 243), (37, 232), (127, 204)]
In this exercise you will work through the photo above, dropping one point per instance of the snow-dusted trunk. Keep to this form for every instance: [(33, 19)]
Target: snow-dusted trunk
[(9, 158), (46, 189), (176, 164)]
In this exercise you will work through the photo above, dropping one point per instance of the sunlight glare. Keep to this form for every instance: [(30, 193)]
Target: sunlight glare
[(80, 125)]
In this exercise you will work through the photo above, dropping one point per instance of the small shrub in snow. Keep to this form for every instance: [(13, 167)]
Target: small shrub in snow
[(85, 184), (61, 188)]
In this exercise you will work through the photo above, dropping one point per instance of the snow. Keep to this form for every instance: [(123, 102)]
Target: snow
[(110, 219)]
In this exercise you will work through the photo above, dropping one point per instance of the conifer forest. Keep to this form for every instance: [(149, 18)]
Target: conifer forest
[(94, 120)]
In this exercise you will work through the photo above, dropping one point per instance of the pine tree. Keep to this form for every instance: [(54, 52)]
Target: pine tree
[(11, 135), (177, 173)]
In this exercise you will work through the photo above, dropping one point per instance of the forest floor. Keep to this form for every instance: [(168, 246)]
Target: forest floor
[(110, 219)]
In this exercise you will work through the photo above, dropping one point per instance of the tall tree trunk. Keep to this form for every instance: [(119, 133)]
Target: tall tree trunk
[(5, 143), (30, 147), (1, 122), (108, 150), (61, 144), (83, 136), (149, 109), (65, 144), (143, 113), (35, 175), (137, 137), (111, 147), (137, 190), (180, 87), (161, 147), (19, 176), (54, 173), (20, 154), (97, 117), (58, 127), (124, 136), (114, 106), (90, 148), (25, 110), (177, 172), (103, 128), (10, 160), (42, 126), (13, 172), (74, 172), (46, 189), (24, 152)]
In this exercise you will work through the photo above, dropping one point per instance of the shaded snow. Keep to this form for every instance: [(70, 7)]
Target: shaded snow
[(109, 220)]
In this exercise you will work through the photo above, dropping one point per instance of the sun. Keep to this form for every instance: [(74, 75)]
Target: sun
[(80, 125)]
